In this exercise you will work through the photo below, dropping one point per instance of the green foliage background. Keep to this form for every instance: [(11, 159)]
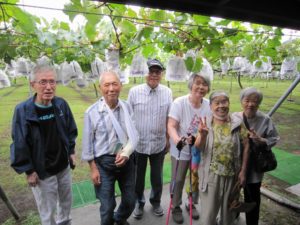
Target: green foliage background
[(153, 32)]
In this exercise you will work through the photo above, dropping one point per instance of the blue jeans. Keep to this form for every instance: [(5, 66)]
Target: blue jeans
[(156, 177), (105, 192)]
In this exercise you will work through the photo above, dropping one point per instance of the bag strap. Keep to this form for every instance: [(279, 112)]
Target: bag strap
[(120, 132), (248, 128), (246, 121)]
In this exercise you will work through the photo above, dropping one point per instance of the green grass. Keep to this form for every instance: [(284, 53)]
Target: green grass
[(84, 193), (80, 99), (32, 218), (288, 167)]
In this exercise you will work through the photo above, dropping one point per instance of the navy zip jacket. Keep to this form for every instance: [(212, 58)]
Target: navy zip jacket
[(27, 150)]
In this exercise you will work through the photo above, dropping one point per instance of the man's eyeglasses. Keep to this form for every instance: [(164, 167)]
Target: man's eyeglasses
[(155, 72), (45, 82)]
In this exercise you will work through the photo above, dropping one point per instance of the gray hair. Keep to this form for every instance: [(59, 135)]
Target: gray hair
[(215, 94), (106, 72), (41, 68), (193, 77), (249, 91)]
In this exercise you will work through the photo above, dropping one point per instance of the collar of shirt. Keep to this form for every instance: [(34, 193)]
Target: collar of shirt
[(152, 90), (102, 106)]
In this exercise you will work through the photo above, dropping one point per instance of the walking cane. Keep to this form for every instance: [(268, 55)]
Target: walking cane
[(190, 191), (179, 146)]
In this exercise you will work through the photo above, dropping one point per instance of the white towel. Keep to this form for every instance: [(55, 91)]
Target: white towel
[(132, 132)]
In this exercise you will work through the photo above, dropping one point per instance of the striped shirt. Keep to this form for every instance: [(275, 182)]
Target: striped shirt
[(99, 135), (150, 107)]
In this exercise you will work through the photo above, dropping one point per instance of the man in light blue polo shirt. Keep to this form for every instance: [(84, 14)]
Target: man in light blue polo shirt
[(109, 138)]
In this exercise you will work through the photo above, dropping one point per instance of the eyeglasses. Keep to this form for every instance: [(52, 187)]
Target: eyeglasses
[(45, 82), (155, 72)]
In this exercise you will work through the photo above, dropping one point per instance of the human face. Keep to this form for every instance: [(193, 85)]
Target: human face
[(44, 85), (110, 88), (250, 105), (154, 76), (220, 107), (199, 88)]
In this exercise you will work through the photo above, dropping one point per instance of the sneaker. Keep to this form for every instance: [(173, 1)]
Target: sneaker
[(243, 207), (138, 212), (177, 215), (158, 210), (195, 213)]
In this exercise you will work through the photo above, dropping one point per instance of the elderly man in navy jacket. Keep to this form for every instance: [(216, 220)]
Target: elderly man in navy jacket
[(44, 133)]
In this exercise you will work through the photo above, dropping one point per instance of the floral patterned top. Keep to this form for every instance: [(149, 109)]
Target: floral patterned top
[(222, 162)]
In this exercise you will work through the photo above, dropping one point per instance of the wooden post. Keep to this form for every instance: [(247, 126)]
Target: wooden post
[(9, 205)]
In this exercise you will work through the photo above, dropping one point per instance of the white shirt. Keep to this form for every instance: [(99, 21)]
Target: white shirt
[(150, 107), (188, 118)]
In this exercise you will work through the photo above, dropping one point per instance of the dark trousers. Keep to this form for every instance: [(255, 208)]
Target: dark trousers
[(252, 194), (156, 177), (105, 192)]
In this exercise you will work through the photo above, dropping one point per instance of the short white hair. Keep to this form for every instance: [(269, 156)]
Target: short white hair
[(249, 91), (40, 68), (108, 72)]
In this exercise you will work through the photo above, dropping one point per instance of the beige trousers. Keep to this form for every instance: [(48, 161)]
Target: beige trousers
[(53, 196), (183, 167), (215, 199)]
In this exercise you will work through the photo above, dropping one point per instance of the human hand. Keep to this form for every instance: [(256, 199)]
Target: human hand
[(181, 143), (95, 176), (33, 179), (167, 148), (256, 138), (190, 139), (202, 128), (242, 179), (72, 161), (121, 160)]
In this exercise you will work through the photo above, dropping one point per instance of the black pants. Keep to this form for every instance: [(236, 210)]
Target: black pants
[(252, 194), (156, 177)]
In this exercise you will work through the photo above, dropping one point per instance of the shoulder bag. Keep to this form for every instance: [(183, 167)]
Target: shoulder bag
[(265, 159)]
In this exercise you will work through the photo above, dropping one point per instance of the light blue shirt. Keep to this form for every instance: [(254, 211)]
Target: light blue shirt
[(99, 135)]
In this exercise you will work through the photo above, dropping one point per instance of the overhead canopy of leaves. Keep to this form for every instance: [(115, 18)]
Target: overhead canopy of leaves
[(153, 32)]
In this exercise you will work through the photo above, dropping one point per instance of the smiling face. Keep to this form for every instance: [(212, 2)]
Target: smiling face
[(110, 87), (154, 76), (44, 85), (250, 104), (199, 88), (220, 107)]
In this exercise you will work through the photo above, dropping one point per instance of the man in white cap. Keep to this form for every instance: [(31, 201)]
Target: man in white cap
[(150, 102)]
